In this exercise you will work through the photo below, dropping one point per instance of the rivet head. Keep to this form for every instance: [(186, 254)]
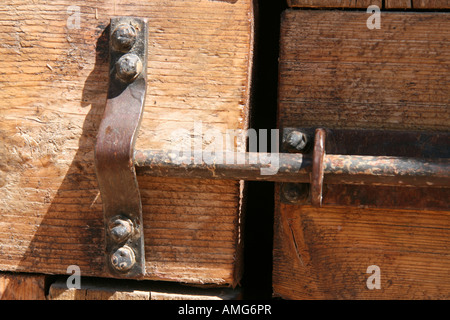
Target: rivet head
[(123, 259), (128, 67), (120, 229), (295, 193), (123, 37), (297, 140)]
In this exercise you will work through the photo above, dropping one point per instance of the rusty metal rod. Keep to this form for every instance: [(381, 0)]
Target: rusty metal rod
[(387, 171), (296, 167)]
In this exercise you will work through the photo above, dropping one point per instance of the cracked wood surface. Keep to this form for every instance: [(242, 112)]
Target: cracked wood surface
[(336, 73), (111, 289), (22, 286), (53, 88)]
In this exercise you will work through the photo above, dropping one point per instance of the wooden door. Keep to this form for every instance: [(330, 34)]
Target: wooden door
[(336, 72), (54, 80)]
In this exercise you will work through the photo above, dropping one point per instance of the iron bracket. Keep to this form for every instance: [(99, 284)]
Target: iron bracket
[(114, 150)]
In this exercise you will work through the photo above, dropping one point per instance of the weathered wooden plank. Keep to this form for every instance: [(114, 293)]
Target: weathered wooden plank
[(91, 291), (16, 286), (431, 4), (388, 4), (324, 254), (53, 88), (95, 289), (335, 72), (398, 4), (334, 3), (381, 79)]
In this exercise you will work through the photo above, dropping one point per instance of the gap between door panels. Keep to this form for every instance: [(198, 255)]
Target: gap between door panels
[(258, 226)]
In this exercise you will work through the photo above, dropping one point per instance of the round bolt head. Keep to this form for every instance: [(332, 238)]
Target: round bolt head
[(295, 193), (123, 37), (120, 229), (297, 140), (128, 67), (123, 259)]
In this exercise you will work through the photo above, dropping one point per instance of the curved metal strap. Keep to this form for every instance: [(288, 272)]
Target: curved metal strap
[(114, 151)]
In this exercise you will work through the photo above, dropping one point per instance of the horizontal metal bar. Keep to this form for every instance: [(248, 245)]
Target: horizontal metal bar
[(252, 166), (296, 167), (386, 171)]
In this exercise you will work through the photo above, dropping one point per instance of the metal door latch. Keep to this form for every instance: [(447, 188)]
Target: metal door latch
[(417, 160), (114, 150), (312, 158)]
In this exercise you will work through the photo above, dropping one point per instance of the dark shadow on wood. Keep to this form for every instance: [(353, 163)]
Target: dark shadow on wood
[(75, 214), (258, 231)]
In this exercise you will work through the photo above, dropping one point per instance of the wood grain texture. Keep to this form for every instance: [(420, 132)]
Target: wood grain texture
[(324, 254), (53, 87), (333, 3), (14, 286), (334, 72), (431, 4), (393, 78), (388, 4), (398, 4), (96, 289)]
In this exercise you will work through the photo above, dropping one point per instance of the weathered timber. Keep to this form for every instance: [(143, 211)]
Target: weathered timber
[(53, 88), (388, 4), (334, 3), (18, 286), (336, 73), (96, 289)]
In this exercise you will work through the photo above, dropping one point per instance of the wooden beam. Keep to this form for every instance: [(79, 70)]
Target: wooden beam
[(431, 4), (15, 286), (398, 4), (337, 73), (334, 3), (378, 79), (97, 289), (388, 4), (54, 82)]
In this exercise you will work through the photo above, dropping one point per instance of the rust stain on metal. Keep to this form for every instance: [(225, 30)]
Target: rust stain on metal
[(404, 162), (318, 168), (114, 151)]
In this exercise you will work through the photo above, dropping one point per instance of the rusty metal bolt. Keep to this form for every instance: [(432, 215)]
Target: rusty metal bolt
[(123, 259), (128, 67), (123, 37), (120, 229), (295, 193), (297, 140)]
